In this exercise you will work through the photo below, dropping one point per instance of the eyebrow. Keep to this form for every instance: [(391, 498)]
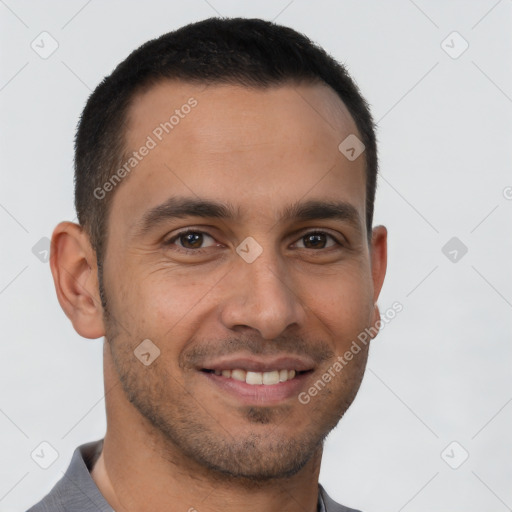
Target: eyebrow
[(182, 207)]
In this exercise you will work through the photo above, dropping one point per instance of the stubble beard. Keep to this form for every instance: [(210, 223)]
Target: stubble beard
[(188, 433)]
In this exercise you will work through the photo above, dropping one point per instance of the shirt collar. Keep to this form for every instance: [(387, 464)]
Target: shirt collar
[(321, 504), (77, 491)]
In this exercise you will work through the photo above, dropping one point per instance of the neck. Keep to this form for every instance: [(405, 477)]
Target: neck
[(132, 482)]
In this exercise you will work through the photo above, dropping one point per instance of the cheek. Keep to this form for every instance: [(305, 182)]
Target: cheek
[(164, 300), (350, 290), (343, 303), (167, 300)]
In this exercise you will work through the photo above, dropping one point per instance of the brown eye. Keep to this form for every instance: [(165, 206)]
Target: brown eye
[(317, 240), (190, 240)]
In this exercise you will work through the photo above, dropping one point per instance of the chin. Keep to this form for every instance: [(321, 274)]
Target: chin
[(257, 461)]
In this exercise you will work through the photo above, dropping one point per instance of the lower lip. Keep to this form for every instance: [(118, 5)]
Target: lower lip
[(259, 394)]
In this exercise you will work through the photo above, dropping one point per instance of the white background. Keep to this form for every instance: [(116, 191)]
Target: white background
[(439, 372)]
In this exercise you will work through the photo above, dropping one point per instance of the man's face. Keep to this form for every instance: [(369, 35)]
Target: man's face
[(259, 295)]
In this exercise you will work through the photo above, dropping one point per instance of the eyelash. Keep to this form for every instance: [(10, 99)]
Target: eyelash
[(170, 241)]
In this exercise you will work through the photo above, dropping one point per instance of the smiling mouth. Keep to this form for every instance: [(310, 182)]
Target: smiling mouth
[(268, 378)]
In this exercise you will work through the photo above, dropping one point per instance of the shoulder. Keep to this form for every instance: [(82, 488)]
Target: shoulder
[(76, 491), (331, 505)]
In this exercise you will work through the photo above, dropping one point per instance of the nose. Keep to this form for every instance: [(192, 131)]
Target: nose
[(262, 296)]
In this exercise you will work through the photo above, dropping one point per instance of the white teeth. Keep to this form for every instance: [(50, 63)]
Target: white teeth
[(238, 375), (257, 378), (271, 377), (254, 378)]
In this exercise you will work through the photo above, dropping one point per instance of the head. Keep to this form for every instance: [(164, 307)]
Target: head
[(221, 221)]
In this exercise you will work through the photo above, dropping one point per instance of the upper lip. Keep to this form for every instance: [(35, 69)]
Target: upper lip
[(253, 364)]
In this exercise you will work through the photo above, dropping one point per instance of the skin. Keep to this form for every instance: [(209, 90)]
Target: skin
[(172, 436)]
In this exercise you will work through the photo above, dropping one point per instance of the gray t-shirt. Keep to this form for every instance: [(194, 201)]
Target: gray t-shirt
[(77, 492)]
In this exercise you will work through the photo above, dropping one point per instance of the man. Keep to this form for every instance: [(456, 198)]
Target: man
[(224, 183)]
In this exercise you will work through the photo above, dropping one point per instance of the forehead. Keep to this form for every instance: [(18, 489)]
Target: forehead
[(222, 108), (258, 148)]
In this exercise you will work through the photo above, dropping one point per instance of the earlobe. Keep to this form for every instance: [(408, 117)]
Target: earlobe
[(379, 265), (376, 322), (75, 275), (378, 255)]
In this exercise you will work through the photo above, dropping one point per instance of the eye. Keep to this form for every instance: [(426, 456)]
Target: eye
[(190, 240), (318, 240)]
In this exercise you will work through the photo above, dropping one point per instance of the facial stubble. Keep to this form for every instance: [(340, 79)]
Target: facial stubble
[(189, 431)]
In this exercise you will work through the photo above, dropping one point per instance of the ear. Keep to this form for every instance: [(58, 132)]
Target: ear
[(378, 257), (75, 274)]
